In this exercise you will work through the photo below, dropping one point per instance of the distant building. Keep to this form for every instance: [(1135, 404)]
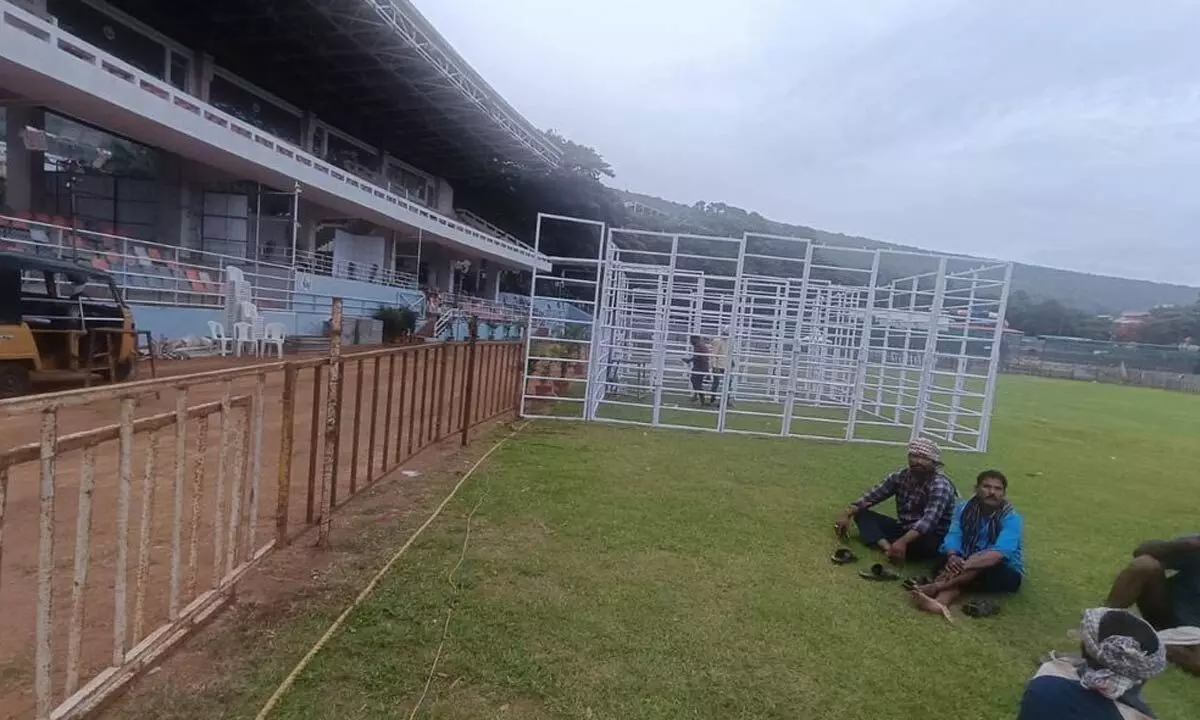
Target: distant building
[(1125, 326)]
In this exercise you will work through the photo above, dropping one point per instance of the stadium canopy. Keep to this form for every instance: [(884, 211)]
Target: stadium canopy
[(376, 69)]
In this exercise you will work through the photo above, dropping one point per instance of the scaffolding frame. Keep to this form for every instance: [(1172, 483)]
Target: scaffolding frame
[(800, 339)]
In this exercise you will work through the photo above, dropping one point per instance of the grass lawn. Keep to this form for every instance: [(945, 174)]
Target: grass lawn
[(618, 572)]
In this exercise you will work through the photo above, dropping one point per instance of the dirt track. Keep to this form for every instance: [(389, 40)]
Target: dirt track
[(417, 393)]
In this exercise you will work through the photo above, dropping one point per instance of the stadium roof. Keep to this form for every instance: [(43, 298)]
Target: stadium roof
[(376, 69)]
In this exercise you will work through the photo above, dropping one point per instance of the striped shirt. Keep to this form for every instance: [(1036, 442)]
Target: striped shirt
[(924, 506)]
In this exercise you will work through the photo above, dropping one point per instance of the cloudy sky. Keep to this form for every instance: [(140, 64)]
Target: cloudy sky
[(1058, 132)]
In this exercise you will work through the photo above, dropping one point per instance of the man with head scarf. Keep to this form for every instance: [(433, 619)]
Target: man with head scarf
[(984, 550), (1165, 602), (924, 505), (1120, 653)]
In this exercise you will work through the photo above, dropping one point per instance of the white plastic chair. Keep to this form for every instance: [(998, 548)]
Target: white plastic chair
[(274, 334), (217, 332), (243, 334)]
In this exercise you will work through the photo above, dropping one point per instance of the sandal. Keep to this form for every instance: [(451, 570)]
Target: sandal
[(913, 583), (842, 556), (980, 608), (878, 572)]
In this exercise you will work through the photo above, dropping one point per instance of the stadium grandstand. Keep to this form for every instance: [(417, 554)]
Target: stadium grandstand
[(313, 145)]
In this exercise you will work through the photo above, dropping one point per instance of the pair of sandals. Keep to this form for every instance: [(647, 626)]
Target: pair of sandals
[(878, 571), (977, 608)]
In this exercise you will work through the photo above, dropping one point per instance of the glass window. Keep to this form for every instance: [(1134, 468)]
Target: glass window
[(351, 157), (180, 66), (94, 27), (257, 111)]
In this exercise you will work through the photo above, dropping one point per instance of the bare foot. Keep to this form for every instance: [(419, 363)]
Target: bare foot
[(930, 605)]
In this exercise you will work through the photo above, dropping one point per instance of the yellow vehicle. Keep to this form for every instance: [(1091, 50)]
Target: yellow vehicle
[(60, 321)]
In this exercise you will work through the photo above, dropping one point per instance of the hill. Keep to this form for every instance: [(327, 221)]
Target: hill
[(1087, 292)]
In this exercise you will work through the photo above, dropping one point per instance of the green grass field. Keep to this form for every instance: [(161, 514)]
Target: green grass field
[(617, 572)]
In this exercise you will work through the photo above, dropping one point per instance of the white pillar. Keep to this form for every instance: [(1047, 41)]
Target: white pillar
[(24, 183)]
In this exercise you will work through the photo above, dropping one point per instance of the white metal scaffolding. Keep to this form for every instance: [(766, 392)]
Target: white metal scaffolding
[(763, 335)]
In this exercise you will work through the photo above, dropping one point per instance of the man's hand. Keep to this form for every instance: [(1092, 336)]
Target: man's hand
[(841, 526), (898, 550), (954, 565)]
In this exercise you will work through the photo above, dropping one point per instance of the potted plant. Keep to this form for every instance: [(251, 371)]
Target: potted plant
[(398, 323)]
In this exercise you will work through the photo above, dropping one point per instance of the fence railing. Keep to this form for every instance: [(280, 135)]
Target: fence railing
[(201, 476), (154, 274), (324, 264), (1183, 382), (148, 272)]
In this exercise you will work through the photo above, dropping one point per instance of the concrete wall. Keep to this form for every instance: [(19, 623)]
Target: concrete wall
[(311, 305), (311, 287)]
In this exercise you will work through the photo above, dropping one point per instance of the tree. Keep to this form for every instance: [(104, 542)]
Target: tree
[(1171, 325), (580, 159), (1050, 317)]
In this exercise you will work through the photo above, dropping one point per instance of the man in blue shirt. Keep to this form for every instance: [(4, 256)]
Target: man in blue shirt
[(983, 552), (1165, 602)]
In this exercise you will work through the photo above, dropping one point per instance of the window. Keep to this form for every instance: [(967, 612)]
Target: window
[(223, 227), (179, 67), (254, 107), (413, 185), (351, 156), (123, 38)]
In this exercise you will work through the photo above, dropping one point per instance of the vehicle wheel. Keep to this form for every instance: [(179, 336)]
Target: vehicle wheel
[(126, 370), (14, 380)]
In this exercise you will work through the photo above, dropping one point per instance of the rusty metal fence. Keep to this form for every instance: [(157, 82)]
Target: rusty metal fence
[(167, 507)]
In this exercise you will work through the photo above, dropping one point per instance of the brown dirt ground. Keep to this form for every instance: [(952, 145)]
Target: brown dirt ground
[(406, 391), (205, 677)]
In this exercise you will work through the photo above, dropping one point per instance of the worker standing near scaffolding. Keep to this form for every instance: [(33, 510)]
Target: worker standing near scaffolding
[(720, 360), (700, 362)]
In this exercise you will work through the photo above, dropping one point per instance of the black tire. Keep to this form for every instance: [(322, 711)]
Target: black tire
[(14, 380)]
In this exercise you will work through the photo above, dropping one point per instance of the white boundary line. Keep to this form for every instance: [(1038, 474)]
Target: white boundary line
[(366, 592)]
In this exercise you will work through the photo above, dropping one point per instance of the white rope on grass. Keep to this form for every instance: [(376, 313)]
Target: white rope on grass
[(437, 656), (366, 591)]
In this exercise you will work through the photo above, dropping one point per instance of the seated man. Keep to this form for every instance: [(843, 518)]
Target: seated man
[(924, 505), (1120, 653), (982, 552), (1165, 602)]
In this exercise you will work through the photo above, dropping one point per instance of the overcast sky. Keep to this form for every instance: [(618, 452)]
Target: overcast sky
[(1057, 132)]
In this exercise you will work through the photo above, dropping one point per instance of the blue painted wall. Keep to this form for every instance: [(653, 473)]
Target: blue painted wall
[(311, 305)]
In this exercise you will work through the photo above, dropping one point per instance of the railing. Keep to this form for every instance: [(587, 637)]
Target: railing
[(467, 305), (472, 219), (148, 272), (323, 264), (185, 477), (292, 160)]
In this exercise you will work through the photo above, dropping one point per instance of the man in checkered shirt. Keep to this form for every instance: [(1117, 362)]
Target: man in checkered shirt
[(925, 500)]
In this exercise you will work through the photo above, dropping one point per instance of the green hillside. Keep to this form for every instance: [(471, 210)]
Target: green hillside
[(1091, 293)]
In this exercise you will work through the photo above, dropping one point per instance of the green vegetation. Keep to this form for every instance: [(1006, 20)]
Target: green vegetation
[(397, 322), (615, 572)]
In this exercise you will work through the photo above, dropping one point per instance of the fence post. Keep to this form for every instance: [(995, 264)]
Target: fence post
[(286, 438), (469, 390), (333, 418)]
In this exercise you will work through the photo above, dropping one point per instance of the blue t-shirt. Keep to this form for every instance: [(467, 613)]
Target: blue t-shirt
[(1010, 543), (1055, 698)]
